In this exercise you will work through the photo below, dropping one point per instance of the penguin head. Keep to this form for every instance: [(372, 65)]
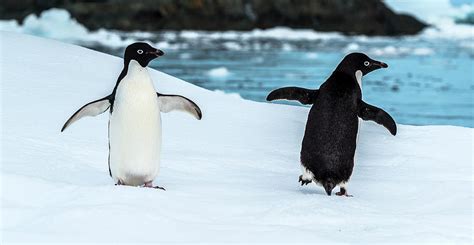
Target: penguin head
[(354, 62), (143, 53)]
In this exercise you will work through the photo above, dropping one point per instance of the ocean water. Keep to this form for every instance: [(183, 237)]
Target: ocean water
[(428, 82), (430, 79)]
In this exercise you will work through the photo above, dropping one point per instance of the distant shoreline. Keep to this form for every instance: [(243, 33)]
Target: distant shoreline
[(371, 18)]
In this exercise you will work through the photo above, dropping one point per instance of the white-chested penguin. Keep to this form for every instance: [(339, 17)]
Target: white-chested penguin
[(135, 120), (329, 143)]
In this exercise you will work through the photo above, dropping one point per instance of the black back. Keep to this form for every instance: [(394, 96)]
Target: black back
[(329, 141), (331, 130)]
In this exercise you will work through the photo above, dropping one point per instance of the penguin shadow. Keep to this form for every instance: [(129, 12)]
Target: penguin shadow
[(311, 191)]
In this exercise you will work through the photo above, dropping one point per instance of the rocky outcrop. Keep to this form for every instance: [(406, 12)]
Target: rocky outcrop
[(369, 17)]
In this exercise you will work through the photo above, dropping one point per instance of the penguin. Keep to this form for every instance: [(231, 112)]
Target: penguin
[(134, 128), (329, 142)]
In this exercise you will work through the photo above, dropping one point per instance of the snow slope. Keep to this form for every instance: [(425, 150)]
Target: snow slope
[(231, 177)]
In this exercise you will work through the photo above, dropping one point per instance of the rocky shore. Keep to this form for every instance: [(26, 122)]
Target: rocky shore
[(368, 17)]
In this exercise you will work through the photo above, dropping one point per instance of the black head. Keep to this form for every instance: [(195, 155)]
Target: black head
[(359, 61), (143, 53)]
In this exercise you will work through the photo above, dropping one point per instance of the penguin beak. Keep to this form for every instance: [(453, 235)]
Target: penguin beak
[(157, 53), (379, 64)]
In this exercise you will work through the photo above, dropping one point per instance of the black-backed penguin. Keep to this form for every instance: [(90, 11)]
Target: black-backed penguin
[(135, 120), (329, 142)]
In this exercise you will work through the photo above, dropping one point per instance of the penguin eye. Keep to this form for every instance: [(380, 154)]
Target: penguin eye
[(366, 63), (140, 51)]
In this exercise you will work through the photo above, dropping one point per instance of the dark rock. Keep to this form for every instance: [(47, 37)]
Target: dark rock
[(369, 17), (468, 19)]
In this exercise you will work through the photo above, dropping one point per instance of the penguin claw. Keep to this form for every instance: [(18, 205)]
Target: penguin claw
[(304, 181), (150, 185), (159, 187), (346, 195)]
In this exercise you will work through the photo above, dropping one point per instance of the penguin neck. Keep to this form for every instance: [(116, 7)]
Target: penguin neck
[(357, 75), (123, 73), (128, 66), (134, 67)]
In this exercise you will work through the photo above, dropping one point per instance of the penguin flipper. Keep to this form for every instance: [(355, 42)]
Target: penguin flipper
[(370, 112), (171, 102), (93, 109), (304, 96)]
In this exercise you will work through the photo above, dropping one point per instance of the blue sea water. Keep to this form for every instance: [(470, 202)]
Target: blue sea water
[(428, 82), (430, 79)]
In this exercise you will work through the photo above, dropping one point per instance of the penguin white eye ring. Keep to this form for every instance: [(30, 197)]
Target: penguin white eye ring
[(366, 63), (140, 51)]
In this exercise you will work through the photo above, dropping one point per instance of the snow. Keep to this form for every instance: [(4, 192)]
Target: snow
[(232, 177), (234, 95)]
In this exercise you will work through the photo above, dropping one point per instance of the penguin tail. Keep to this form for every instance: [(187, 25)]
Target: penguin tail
[(329, 186)]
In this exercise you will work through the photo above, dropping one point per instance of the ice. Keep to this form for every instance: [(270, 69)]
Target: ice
[(392, 51), (185, 56), (219, 72), (447, 29), (352, 47), (232, 46), (311, 55), (440, 14), (10, 25), (430, 10), (230, 178), (58, 20), (58, 24), (423, 51)]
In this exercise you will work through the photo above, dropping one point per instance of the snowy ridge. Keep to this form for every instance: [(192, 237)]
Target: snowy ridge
[(231, 177)]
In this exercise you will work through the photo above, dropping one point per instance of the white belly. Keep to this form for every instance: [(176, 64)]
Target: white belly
[(135, 129)]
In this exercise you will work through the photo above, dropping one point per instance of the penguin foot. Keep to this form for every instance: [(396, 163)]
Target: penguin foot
[(149, 185), (304, 181), (343, 192)]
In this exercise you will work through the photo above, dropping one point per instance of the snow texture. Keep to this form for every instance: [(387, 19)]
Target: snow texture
[(232, 177)]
